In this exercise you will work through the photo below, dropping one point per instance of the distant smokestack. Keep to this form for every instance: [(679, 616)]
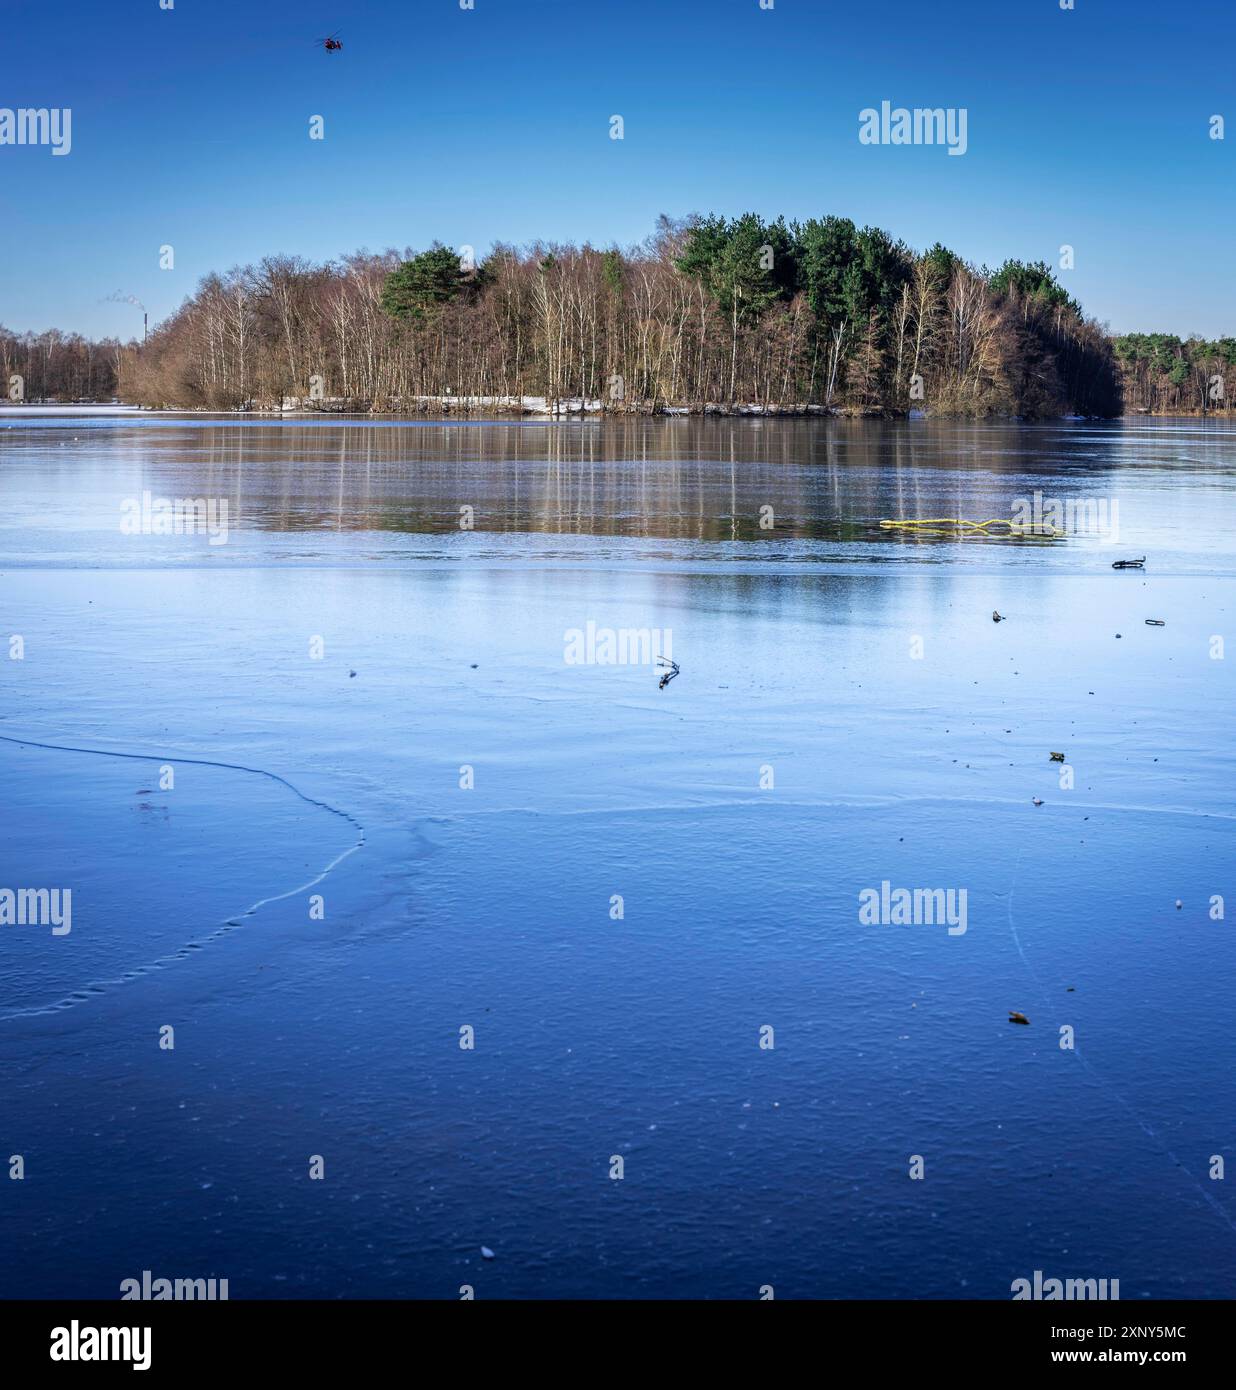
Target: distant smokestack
[(120, 298)]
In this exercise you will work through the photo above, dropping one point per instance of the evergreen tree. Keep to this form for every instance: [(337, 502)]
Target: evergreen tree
[(421, 284)]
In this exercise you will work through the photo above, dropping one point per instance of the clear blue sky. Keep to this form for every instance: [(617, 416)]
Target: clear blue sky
[(190, 127)]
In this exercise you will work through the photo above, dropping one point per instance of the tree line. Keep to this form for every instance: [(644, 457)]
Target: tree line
[(709, 313), (58, 366), (1165, 375)]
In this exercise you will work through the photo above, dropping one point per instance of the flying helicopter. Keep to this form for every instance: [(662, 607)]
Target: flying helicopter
[(332, 44)]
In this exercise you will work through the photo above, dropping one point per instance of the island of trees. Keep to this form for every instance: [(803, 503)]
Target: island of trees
[(708, 314)]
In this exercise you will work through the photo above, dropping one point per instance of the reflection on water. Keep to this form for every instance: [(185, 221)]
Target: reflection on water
[(706, 480)]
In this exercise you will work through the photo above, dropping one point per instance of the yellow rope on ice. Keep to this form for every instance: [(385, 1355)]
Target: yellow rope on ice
[(1017, 529)]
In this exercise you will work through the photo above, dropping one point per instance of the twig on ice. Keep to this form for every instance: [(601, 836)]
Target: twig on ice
[(669, 675)]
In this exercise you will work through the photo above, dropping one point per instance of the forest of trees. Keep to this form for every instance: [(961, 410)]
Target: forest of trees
[(708, 313), (1164, 375), (58, 366)]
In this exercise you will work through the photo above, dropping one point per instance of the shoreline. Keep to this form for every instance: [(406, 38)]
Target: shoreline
[(535, 407), (540, 407)]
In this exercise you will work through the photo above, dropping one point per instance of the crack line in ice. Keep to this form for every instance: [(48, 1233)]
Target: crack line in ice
[(100, 986), (1105, 1085), (877, 802)]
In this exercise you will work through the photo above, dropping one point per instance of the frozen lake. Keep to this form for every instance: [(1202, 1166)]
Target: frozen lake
[(358, 673)]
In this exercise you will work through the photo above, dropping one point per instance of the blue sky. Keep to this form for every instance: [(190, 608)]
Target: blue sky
[(190, 127)]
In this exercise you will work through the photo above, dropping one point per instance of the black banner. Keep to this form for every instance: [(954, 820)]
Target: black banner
[(322, 1339)]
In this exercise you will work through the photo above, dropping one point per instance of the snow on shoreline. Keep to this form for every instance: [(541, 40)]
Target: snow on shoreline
[(81, 408), (420, 405)]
